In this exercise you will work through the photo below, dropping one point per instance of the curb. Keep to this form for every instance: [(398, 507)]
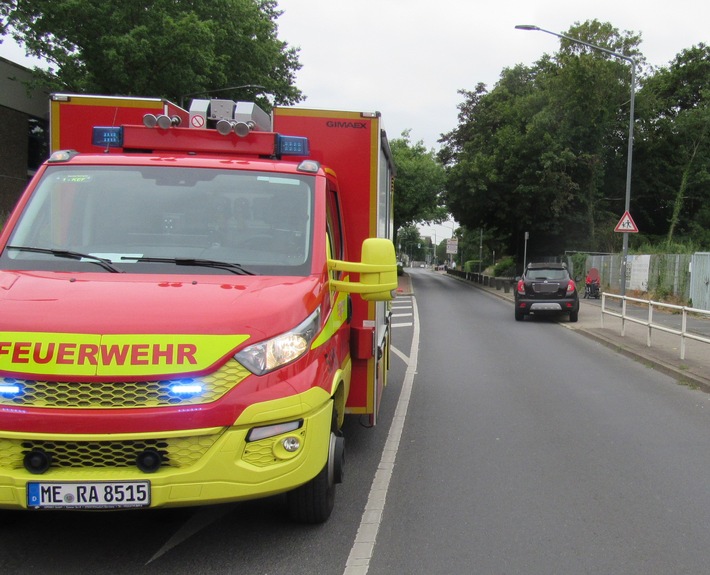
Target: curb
[(682, 377)]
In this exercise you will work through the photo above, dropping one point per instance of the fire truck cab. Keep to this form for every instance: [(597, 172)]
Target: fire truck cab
[(192, 301)]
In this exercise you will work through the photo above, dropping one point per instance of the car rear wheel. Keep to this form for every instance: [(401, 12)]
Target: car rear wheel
[(519, 315), (573, 316)]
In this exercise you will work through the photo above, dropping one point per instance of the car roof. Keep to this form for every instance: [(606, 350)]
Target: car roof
[(547, 266)]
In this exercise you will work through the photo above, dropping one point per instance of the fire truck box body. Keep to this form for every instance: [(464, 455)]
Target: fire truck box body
[(191, 303)]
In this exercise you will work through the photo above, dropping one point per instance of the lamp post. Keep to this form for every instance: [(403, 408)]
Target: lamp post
[(434, 245), (452, 227), (630, 151)]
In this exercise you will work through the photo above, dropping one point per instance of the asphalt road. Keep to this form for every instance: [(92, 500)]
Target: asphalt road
[(503, 448), (530, 449)]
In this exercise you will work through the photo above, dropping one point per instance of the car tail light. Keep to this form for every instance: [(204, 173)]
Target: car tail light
[(571, 288), (521, 287)]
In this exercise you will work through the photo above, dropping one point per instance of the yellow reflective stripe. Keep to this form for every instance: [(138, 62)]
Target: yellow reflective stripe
[(338, 316), (112, 355)]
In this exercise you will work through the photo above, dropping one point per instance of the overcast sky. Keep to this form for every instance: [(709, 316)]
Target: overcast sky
[(407, 58)]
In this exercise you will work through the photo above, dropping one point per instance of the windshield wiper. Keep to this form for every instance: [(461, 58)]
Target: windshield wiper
[(229, 266), (103, 262)]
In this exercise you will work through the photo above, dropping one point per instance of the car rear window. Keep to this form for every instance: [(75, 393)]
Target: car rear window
[(547, 274)]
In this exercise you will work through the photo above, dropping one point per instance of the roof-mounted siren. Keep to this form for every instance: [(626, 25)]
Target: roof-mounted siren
[(162, 121), (227, 116), (248, 116)]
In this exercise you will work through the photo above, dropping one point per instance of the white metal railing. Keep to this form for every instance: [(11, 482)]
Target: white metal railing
[(650, 325)]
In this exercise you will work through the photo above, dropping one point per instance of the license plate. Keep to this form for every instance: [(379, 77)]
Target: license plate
[(91, 495)]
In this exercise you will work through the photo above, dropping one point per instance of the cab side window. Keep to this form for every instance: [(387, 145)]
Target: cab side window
[(334, 228)]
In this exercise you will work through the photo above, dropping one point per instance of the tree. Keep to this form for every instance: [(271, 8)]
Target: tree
[(673, 190), (419, 184), (410, 244), (541, 151), (163, 48)]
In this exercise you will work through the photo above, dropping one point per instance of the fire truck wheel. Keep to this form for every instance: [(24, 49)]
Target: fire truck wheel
[(314, 501)]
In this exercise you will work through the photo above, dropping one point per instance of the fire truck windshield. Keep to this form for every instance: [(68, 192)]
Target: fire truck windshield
[(139, 218)]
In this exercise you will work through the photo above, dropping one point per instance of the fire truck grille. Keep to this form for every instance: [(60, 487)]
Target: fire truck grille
[(175, 452), (122, 395)]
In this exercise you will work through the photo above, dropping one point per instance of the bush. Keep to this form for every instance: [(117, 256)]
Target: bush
[(471, 266), (505, 267)]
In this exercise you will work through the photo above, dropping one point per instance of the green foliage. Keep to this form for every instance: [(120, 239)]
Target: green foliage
[(164, 48), (505, 267), (673, 182), (470, 266), (545, 151), (577, 266), (419, 184), (660, 247), (410, 245), (669, 276)]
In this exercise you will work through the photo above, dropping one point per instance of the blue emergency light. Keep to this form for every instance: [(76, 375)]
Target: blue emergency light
[(292, 146), (9, 388), (107, 136), (186, 388)]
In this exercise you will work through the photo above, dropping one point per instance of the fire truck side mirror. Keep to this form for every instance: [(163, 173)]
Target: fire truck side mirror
[(378, 271), (379, 253)]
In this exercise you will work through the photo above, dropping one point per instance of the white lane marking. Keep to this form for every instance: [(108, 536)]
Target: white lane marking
[(364, 545), (399, 354)]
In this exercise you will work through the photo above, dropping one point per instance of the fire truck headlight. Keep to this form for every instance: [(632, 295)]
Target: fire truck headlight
[(266, 356)]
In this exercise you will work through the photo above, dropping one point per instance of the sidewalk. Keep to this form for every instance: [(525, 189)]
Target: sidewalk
[(663, 355), (405, 285)]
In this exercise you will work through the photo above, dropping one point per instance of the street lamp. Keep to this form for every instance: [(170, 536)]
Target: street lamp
[(434, 245), (629, 155), (453, 228)]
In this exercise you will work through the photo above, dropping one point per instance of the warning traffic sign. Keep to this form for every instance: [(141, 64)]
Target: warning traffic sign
[(626, 224)]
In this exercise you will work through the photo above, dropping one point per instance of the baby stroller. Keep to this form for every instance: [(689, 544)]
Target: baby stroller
[(591, 284)]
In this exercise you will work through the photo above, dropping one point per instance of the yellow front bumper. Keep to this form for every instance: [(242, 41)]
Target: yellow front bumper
[(207, 466)]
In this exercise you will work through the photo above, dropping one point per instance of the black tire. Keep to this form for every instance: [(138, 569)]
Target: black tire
[(519, 315), (314, 501), (573, 316)]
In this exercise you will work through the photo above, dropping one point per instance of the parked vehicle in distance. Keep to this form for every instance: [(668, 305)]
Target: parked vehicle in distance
[(546, 288)]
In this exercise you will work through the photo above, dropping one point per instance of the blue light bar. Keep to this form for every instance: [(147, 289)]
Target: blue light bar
[(107, 136), (293, 146)]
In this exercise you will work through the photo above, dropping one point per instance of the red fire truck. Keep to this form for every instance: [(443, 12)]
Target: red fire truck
[(192, 301)]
